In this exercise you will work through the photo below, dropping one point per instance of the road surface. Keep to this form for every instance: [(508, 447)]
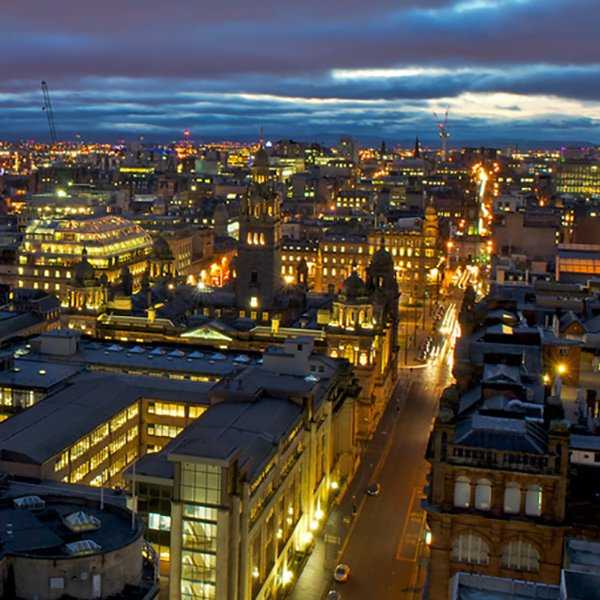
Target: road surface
[(386, 546)]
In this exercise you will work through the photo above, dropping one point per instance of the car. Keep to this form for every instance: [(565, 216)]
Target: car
[(333, 595), (374, 489), (342, 572)]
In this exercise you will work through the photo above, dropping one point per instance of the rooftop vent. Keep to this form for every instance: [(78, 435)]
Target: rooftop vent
[(29, 503), (83, 547), (81, 521)]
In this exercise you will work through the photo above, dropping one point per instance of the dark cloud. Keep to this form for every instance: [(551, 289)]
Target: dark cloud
[(145, 64)]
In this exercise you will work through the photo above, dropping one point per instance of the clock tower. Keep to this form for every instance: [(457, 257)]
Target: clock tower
[(258, 264)]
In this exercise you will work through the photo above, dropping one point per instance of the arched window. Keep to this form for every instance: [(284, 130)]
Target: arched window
[(521, 556), (533, 501), (249, 238), (512, 498), (470, 549), (483, 494), (262, 239), (255, 239), (462, 492)]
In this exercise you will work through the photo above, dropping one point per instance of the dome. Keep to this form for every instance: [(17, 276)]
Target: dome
[(430, 213), (161, 249), (83, 272), (381, 261), (354, 288)]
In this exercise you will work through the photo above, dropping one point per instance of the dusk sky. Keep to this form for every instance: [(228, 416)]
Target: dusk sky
[(510, 70)]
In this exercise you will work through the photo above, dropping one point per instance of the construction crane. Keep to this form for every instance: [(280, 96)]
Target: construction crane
[(49, 114), (443, 131)]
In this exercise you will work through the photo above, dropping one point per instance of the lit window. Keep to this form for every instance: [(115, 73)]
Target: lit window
[(533, 501), (253, 302), (512, 498), (470, 549), (462, 492), (159, 522), (483, 494)]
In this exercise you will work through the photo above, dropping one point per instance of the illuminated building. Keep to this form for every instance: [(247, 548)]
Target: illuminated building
[(414, 245), (94, 408), (363, 328), (72, 201), (348, 149), (251, 480), (87, 425), (51, 248), (579, 177), (577, 263), (339, 253), (294, 252), (362, 200)]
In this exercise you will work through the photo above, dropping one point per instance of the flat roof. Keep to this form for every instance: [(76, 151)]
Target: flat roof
[(471, 586), (251, 430), (44, 430), (42, 533), (584, 442), (40, 374), (183, 359)]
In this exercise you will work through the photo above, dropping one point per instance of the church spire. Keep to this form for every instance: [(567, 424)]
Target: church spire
[(417, 151)]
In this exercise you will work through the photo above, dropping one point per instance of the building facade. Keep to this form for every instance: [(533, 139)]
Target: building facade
[(51, 248)]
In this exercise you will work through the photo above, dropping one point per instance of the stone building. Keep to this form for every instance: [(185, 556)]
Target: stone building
[(414, 245), (363, 328), (66, 546), (239, 494), (497, 498)]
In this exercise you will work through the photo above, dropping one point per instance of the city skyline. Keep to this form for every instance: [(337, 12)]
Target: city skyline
[(509, 70)]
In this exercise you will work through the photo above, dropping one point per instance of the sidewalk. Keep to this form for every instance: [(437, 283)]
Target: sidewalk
[(330, 542)]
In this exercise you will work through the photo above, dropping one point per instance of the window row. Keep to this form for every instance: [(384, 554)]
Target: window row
[(473, 550), (513, 495)]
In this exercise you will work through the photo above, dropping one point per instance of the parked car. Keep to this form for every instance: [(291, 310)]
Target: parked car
[(342, 572), (374, 490)]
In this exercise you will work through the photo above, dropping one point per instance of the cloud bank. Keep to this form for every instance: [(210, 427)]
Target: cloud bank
[(510, 69)]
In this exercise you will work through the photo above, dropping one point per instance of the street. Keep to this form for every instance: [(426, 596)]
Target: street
[(385, 547)]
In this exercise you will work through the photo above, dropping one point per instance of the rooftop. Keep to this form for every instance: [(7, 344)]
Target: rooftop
[(249, 430), (43, 530), (469, 586), (44, 430)]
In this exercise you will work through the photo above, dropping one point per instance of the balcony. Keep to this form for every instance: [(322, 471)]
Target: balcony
[(501, 460)]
